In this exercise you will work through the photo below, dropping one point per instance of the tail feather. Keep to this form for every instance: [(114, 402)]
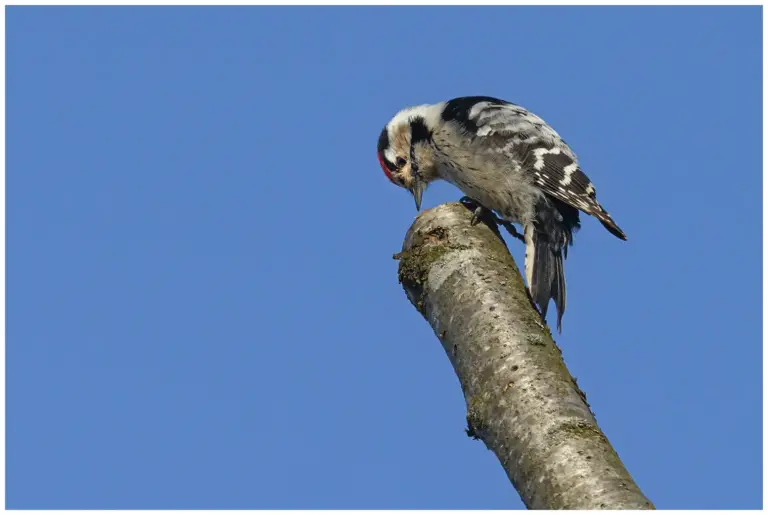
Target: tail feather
[(545, 273), (547, 240), (558, 288)]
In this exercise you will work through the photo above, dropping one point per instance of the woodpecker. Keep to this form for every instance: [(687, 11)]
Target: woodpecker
[(507, 160)]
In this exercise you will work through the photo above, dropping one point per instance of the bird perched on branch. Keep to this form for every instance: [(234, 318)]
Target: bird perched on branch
[(506, 160)]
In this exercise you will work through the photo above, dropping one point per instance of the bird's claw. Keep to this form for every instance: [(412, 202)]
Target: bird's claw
[(476, 215), (480, 211)]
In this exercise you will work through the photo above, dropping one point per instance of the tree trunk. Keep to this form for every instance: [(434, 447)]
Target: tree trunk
[(521, 400)]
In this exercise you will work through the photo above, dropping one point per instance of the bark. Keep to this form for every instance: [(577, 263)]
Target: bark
[(521, 400)]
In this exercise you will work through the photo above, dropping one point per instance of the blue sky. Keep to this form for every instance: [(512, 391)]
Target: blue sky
[(203, 309)]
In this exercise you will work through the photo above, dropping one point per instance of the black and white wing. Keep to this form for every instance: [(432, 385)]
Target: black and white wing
[(528, 139)]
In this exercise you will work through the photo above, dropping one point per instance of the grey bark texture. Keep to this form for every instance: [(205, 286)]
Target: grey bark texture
[(521, 400)]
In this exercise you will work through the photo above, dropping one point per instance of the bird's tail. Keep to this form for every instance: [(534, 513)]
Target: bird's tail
[(545, 272)]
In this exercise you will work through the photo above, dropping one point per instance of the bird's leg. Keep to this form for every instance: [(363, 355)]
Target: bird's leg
[(481, 211), (511, 229)]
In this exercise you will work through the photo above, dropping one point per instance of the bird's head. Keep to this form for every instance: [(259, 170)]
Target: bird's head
[(406, 150)]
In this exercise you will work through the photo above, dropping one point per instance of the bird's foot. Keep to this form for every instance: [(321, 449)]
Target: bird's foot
[(478, 210), (481, 211)]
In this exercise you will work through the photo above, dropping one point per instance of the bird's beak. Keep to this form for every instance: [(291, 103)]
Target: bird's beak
[(417, 190)]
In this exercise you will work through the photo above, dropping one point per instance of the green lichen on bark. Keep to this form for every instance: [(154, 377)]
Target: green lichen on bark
[(476, 416), (416, 261), (536, 339), (578, 429)]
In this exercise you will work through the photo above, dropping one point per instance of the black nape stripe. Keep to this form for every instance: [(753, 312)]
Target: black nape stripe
[(419, 131), (458, 109), (383, 141)]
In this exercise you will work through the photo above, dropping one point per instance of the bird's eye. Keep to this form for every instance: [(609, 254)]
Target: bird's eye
[(400, 162)]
